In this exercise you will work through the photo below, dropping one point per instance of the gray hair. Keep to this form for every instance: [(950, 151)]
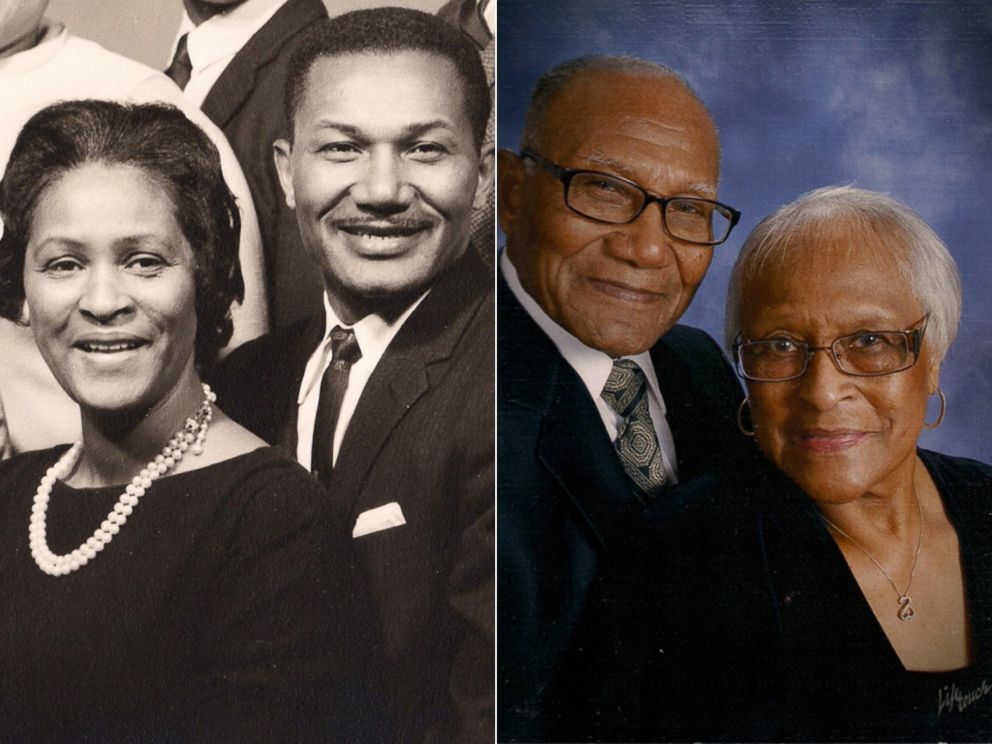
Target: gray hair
[(921, 258), (554, 80)]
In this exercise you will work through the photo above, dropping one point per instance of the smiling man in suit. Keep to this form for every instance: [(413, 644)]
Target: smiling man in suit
[(387, 395), (604, 403)]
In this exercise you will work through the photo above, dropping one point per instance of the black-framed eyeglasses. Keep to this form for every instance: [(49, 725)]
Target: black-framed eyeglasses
[(864, 354), (618, 201)]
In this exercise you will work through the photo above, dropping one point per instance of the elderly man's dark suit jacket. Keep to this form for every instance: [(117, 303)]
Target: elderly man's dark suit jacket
[(421, 436), (246, 102), (564, 502)]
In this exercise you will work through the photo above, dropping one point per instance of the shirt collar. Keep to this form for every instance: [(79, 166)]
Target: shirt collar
[(373, 333), (592, 365), (224, 34)]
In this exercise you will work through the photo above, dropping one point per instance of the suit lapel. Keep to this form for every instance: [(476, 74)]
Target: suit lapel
[(403, 375), (701, 400), (595, 481), (238, 80), (675, 382), (572, 444), (466, 16), (304, 339)]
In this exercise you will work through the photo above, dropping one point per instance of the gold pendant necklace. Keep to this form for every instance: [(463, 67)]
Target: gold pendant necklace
[(906, 611)]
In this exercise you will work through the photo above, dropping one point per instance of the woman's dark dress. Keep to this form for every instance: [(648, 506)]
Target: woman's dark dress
[(215, 614), (763, 632)]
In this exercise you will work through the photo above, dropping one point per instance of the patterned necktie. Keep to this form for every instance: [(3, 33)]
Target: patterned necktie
[(181, 68), (344, 353), (637, 442)]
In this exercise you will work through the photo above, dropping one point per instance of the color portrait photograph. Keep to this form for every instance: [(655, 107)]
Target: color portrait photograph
[(247, 396), (743, 382)]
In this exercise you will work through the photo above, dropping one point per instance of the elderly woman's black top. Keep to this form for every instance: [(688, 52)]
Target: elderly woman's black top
[(217, 613), (759, 630)]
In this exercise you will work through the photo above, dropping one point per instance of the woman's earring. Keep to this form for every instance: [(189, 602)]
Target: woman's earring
[(943, 408), (740, 418)]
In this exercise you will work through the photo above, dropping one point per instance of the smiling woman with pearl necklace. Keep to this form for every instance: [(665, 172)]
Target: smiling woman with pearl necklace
[(170, 553)]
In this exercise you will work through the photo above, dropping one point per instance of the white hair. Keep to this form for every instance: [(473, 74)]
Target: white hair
[(921, 256)]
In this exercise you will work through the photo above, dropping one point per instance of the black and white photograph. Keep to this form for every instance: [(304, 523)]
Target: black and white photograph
[(246, 371)]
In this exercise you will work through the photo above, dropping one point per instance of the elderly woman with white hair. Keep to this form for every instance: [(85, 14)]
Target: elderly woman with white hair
[(840, 588)]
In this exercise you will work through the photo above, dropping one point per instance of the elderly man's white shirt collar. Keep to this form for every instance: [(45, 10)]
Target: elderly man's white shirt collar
[(213, 44), (374, 334), (594, 367)]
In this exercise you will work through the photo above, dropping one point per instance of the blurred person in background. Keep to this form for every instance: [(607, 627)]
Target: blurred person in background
[(230, 59), (477, 20)]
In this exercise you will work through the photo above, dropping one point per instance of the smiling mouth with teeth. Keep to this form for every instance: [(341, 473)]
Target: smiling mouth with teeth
[(383, 232), (110, 348), (376, 236)]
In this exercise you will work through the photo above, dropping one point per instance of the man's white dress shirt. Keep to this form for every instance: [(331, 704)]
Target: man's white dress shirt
[(373, 334), (594, 367)]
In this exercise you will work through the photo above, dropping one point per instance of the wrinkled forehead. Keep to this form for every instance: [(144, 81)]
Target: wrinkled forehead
[(600, 104)]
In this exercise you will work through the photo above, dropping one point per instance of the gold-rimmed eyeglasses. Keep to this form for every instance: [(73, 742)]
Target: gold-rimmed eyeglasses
[(864, 354)]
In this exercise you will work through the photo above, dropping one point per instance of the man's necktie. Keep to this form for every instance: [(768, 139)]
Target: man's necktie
[(637, 442), (181, 68), (344, 353)]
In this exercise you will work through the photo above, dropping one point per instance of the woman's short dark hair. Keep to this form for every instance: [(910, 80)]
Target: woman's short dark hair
[(173, 152)]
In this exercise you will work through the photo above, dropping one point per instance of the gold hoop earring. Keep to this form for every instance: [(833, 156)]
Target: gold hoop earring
[(940, 416), (740, 419)]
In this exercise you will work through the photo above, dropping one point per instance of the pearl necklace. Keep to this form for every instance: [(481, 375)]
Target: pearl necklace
[(191, 436)]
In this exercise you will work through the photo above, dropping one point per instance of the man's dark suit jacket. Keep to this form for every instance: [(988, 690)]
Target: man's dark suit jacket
[(565, 505), (246, 102), (421, 436)]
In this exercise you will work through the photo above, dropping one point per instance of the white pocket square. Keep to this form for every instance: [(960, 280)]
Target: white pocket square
[(378, 519)]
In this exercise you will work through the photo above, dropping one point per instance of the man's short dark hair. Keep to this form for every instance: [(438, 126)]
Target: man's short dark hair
[(167, 147), (387, 31)]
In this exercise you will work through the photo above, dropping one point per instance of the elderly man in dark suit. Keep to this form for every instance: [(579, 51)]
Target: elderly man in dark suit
[(230, 59), (604, 403), (387, 395)]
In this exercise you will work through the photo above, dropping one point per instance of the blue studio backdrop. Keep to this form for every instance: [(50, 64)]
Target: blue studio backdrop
[(893, 96)]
